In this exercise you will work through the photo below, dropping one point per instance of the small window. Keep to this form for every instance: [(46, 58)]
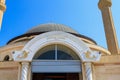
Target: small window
[(6, 58)]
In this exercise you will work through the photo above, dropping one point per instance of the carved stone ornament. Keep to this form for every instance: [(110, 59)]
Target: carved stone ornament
[(18, 55), (90, 56), (56, 37)]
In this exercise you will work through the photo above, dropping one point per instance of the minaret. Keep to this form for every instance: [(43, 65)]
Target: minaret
[(112, 43), (2, 9)]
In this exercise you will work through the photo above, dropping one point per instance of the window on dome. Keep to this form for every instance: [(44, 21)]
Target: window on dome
[(56, 52)]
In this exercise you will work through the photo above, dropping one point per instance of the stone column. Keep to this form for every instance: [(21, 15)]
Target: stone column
[(88, 58), (2, 9), (88, 71), (112, 43), (25, 71)]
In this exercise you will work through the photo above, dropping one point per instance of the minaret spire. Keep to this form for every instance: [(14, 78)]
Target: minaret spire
[(2, 9), (112, 43)]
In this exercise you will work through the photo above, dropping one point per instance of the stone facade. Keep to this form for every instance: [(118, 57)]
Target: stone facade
[(93, 62)]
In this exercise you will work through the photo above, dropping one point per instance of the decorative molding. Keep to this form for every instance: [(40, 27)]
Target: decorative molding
[(104, 3), (20, 55), (24, 54), (90, 56)]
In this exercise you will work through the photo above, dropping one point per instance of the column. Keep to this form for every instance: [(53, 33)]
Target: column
[(25, 71), (88, 57), (88, 71), (112, 43), (2, 9)]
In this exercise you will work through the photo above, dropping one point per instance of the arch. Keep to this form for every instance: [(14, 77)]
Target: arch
[(53, 37)]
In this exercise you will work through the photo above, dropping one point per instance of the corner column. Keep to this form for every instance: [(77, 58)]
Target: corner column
[(25, 70)]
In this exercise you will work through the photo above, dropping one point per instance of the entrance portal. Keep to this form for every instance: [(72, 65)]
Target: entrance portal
[(55, 76), (56, 62)]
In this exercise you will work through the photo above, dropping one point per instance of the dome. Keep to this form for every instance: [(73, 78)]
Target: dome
[(47, 28), (51, 27)]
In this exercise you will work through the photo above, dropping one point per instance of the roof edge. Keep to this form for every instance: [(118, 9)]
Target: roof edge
[(37, 33)]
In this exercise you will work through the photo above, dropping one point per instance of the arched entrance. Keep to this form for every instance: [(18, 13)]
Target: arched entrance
[(27, 55), (56, 62)]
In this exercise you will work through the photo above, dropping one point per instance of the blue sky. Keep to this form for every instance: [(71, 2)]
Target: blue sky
[(82, 15)]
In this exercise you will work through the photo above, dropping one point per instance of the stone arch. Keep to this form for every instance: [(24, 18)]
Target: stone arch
[(53, 37)]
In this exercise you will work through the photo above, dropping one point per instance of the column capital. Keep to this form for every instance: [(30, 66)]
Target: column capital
[(87, 63), (2, 5), (104, 3), (25, 63), (2, 1), (90, 56)]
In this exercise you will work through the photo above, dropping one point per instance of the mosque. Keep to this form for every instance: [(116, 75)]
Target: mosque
[(57, 52)]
